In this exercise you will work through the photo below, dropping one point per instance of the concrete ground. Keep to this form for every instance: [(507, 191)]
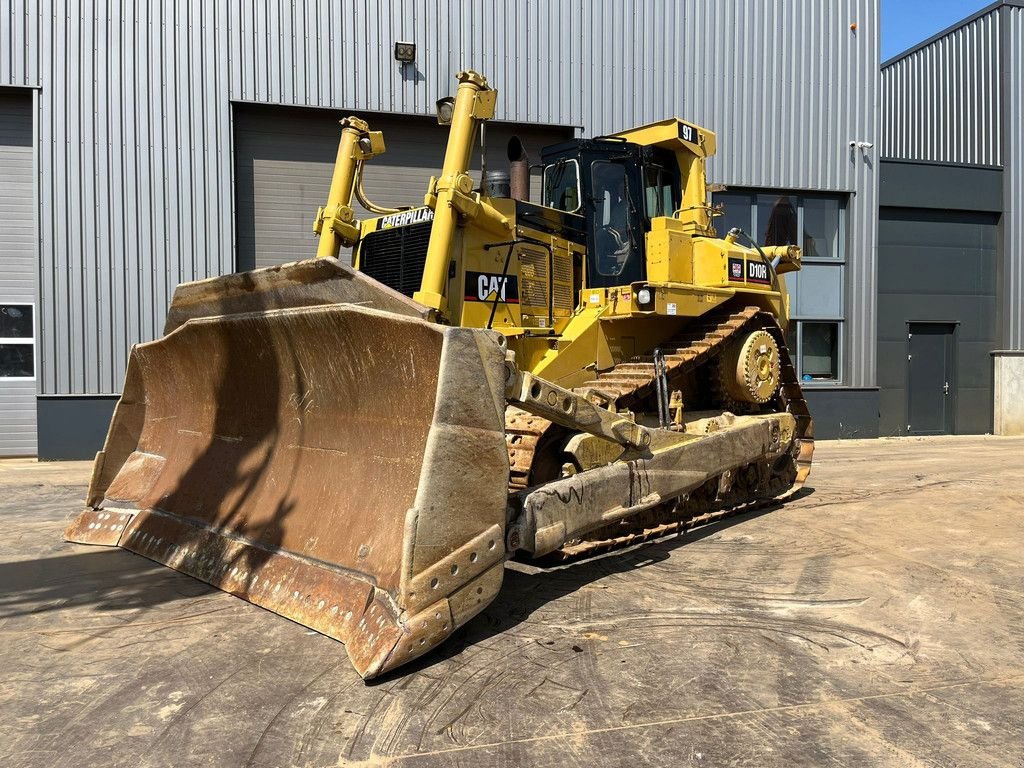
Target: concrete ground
[(876, 620)]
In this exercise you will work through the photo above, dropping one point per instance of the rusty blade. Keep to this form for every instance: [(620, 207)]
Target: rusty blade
[(342, 466)]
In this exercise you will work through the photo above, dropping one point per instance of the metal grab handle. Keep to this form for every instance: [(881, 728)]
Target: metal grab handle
[(661, 378)]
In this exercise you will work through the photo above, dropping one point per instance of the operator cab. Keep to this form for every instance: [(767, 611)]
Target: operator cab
[(618, 187)]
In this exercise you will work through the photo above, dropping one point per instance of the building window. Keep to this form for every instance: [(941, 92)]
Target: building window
[(819, 351), (815, 222), (17, 341)]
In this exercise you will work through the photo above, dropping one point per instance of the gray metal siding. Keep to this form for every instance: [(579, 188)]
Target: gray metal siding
[(19, 36), (135, 120), (17, 261), (941, 102), (1013, 179), (135, 180), (602, 65), (959, 98)]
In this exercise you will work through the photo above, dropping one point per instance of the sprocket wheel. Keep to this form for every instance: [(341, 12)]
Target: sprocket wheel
[(750, 371)]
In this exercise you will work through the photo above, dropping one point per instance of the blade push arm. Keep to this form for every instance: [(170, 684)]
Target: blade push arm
[(451, 196), (335, 222)]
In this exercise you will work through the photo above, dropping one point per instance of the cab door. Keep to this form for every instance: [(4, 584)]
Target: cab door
[(615, 248)]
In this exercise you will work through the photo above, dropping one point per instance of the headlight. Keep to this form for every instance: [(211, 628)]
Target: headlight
[(643, 296)]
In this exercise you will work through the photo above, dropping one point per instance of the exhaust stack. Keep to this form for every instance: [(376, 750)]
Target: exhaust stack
[(519, 170)]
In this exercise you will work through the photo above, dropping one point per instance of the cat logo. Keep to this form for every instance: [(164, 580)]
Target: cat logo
[(485, 286)]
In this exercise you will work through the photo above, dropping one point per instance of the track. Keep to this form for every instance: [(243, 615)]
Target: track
[(627, 385)]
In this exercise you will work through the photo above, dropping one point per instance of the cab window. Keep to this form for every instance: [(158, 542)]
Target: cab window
[(561, 183), (659, 194), (613, 236)]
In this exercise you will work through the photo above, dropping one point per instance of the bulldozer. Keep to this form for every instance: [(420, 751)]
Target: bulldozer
[(362, 448)]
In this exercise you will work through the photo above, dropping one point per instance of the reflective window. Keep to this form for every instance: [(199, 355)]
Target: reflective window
[(777, 219), (561, 184), (15, 321), (17, 341), (17, 361), (658, 193), (821, 230), (815, 222), (612, 235), (819, 351), (736, 212)]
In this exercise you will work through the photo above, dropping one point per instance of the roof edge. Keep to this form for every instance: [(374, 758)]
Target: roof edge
[(953, 28)]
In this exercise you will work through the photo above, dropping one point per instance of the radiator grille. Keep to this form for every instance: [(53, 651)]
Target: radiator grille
[(562, 293), (396, 256), (533, 278)]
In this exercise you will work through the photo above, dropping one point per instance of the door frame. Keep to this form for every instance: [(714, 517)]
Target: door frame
[(954, 394)]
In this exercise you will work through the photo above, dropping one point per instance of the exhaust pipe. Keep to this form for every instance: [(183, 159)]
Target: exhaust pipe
[(519, 170)]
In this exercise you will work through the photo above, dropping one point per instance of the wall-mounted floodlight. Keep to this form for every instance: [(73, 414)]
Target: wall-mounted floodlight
[(405, 52), (445, 110)]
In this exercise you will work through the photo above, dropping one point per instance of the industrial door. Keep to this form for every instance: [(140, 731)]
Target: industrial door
[(931, 387)]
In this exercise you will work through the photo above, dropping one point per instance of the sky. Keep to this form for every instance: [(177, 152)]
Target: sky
[(905, 23)]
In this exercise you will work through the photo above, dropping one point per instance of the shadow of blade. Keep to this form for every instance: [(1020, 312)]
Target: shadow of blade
[(104, 580)]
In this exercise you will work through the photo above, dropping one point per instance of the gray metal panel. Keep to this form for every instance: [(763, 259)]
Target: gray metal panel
[(842, 412), (73, 427), (135, 127), (936, 265), (907, 184), (19, 49), (941, 102), (17, 261), (284, 159), (816, 292), (1013, 179), (18, 418), (135, 177)]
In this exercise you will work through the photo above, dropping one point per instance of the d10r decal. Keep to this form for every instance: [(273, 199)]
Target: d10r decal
[(486, 286), (757, 272)]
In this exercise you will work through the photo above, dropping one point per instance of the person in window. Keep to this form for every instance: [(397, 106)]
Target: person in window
[(612, 237)]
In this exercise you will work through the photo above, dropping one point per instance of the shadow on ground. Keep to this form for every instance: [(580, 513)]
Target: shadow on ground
[(106, 580)]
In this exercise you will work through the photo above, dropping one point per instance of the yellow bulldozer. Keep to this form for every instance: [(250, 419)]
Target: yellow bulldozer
[(361, 449)]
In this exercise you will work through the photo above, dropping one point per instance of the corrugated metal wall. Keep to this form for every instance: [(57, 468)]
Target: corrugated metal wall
[(960, 99), (941, 101), (783, 83), (136, 134), (1013, 178)]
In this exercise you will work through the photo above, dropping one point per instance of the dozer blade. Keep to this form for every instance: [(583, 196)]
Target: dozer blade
[(340, 465)]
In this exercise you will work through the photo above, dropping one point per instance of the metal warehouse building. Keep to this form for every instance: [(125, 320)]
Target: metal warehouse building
[(150, 144), (951, 222)]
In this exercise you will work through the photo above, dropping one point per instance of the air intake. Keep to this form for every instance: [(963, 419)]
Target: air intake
[(396, 256)]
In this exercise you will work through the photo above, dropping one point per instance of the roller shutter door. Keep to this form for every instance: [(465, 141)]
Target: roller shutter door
[(283, 163), (18, 315)]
